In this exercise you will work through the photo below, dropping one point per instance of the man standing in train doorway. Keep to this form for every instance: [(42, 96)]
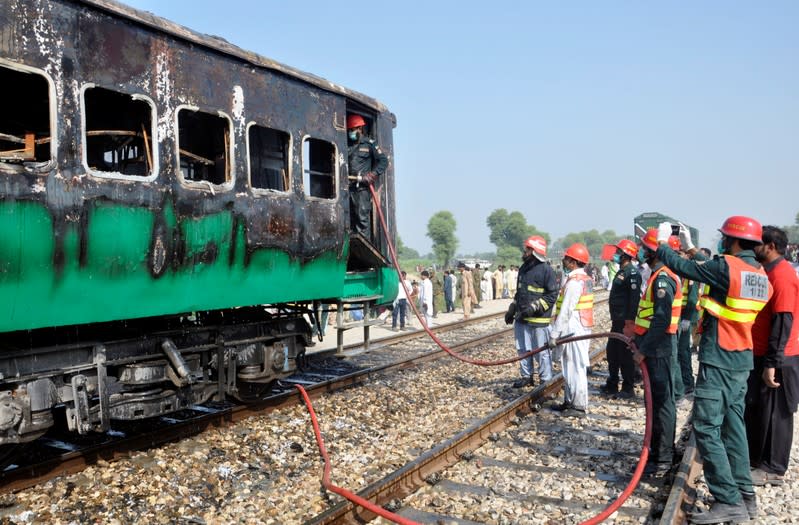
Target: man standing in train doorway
[(738, 290), (367, 163)]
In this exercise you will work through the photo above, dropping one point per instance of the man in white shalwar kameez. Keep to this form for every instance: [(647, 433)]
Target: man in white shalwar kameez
[(574, 317)]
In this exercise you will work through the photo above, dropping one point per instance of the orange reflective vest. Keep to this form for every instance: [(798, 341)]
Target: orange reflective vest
[(748, 293), (646, 306), (585, 305)]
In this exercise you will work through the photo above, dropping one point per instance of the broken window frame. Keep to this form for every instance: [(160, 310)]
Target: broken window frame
[(289, 149), (231, 165), (334, 164), (153, 142), (53, 120)]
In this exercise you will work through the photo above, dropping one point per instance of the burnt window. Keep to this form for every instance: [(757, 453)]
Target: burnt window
[(319, 168), (269, 154), (24, 117), (204, 141), (118, 133)]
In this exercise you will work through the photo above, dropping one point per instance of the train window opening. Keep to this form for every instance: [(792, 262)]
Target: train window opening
[(118, 133), (24, 117), (319, 168), (204, 141), (269, 158)]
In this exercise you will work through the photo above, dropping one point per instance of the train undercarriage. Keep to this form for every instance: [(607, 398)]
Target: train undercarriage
[(139, 369)]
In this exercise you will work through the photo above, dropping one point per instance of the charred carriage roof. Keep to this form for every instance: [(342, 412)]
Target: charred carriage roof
[(220, 45)]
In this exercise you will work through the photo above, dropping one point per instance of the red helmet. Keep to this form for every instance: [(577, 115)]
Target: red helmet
[(628, 247), (355, 121), (674, 243), (578, 252), (741, 227), (539, 246), (650, 240)]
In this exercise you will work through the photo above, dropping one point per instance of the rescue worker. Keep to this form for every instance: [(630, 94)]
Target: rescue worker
[(738, 289), (531, 310), (684, 373), (773, 392), (655, 336), (623, 304), (574, 316), (367, 163)]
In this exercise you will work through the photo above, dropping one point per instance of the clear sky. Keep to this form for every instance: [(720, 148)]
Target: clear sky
[(580, 115)]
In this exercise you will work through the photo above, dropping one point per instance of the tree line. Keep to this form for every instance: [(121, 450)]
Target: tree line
[(508, 232)]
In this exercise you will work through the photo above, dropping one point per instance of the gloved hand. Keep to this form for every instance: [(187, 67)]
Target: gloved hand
[(629, 328), (511, 313), (685, 238), (685, 325), (530, 310), (553, 341), (664, 232), (370, 177)]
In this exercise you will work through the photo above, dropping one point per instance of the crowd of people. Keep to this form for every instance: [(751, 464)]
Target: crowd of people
[(664, 293)]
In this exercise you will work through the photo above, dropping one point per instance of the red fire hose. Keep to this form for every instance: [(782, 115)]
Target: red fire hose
[(599, 518)]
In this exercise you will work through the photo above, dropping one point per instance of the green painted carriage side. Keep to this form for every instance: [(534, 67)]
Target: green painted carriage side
[(115, 281)]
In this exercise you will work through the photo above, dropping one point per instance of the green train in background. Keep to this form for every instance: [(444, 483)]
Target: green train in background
[(651, 219), (174, 212)]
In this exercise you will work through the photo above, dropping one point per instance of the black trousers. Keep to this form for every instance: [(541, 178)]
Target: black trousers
[(361, 211), (664, 421), (620, 359), (769, 418)]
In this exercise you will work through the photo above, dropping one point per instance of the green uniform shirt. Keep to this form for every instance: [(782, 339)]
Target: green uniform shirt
[(656, 342), (624, 294), (716, 273)]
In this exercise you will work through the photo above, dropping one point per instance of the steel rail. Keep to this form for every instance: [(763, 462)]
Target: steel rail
[(217, 415), (410, 477)]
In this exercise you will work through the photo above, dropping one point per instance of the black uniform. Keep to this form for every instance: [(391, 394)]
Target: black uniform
[(364, 157), (536, 292), (623, 304)]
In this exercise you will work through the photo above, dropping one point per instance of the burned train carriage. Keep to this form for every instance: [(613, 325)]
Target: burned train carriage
[(173, 209)]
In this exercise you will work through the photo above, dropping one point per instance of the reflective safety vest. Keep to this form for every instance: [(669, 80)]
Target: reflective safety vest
[(686, 285), (748, 293), (646, 306), (585, 305)]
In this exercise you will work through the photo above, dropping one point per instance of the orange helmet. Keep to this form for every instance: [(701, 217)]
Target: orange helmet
[(650, 240), (539, 246), (741, 227), (578, 252), (674, 243), (628, 247), (355, 121)]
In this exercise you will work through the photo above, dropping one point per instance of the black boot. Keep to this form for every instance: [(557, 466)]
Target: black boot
[(720, 513), (750, 502)]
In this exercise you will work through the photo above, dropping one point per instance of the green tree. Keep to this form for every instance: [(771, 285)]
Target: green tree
[(592, 239), (793, 231), (441, 230), (508, 255), (510, 229), (405, 252)]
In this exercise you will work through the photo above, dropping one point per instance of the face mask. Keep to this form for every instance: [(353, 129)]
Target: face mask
[(641, 258), (616, 258), (352, 135), (720, 246)]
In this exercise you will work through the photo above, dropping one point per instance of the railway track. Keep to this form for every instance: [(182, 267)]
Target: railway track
[(460, 449), (58, 455)]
